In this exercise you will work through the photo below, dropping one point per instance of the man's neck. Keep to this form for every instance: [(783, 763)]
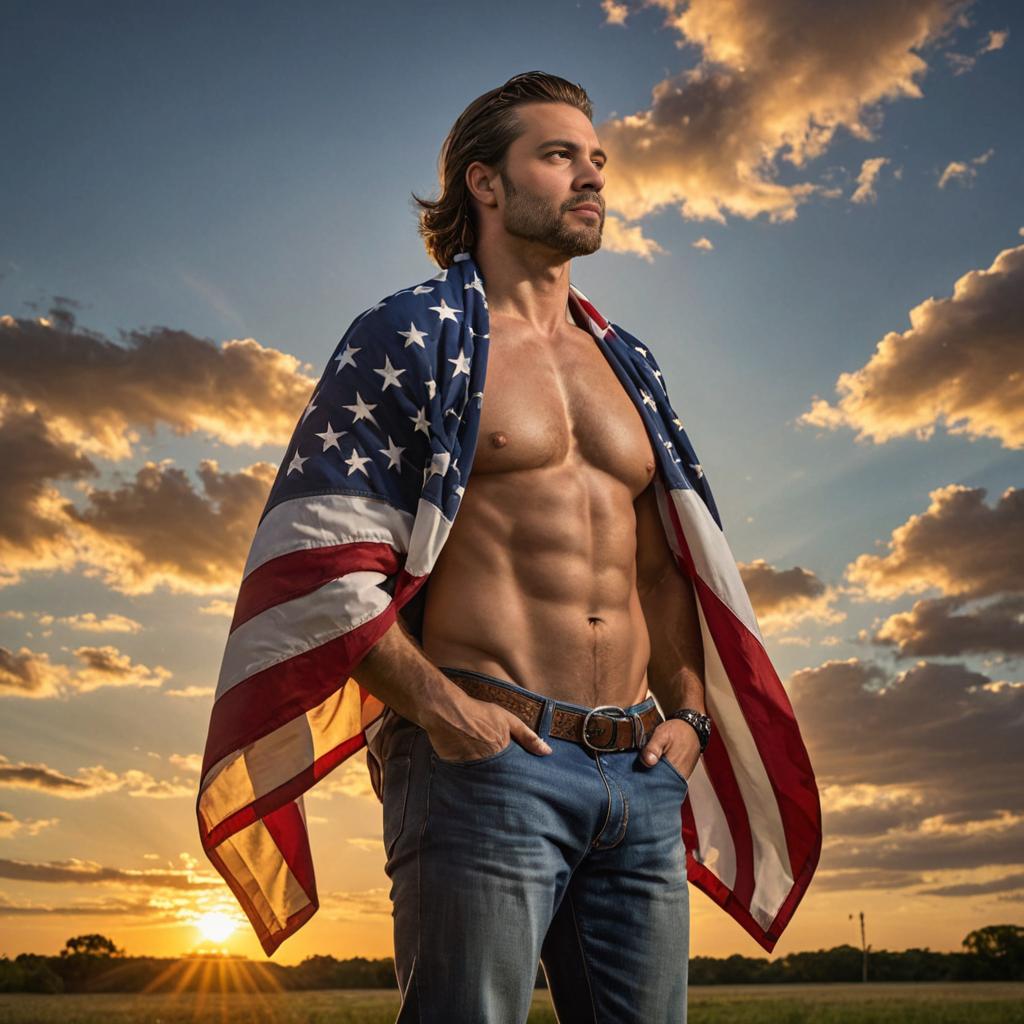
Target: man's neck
[(527, 284)]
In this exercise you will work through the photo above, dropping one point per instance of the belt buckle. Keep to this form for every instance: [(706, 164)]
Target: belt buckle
[(622, 714)]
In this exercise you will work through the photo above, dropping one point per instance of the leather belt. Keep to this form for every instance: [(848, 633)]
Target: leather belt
[(604, 728)]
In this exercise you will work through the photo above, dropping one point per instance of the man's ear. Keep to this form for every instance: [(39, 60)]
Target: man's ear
[(481, 181)]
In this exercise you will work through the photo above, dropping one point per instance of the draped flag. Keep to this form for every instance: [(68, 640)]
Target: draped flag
[(357, 516)]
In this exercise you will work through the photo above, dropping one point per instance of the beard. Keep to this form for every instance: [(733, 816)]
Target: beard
[(531, 217)]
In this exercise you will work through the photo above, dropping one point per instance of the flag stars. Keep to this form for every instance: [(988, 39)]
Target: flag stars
[(347, 358), (357, 462), (413, 336), (330, 437), (389, 373), (362, 411), (422, 289), (461, 364), (431, 389), (394, 454), (446, 312), (476, 284), (295, 466), (648, 401), (420, 421), (678, 422), (697, 468)]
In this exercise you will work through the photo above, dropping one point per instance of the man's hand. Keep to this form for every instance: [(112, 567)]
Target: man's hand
[(479, 729), (677, 741)]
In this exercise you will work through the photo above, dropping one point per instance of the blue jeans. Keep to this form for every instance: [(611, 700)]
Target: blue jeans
[(574, 860)]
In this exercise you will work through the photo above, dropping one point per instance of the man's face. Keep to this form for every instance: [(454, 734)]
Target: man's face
[(553, 167)]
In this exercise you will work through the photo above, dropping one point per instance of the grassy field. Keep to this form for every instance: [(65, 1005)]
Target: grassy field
[(895, 1003)]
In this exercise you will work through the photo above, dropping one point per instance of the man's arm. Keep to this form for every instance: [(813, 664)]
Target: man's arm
[(396, 671), (675, 671)]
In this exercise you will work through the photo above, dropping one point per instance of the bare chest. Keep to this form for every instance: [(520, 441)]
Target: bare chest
[(549, 403)]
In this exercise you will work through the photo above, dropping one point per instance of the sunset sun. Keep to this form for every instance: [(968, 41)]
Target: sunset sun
[(216, 926)]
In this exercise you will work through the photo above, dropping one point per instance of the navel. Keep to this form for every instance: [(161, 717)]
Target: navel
[(498, 439)]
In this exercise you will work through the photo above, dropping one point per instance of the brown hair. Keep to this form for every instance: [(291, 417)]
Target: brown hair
[(483, 131)]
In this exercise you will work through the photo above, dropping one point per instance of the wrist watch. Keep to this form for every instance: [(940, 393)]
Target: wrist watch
[(700, 722)]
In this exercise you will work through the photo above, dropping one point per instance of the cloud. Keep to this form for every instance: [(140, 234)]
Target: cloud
[(107, 666), (917, 771), (90, 622), (961, 63), (775, 83), (90, 782), (84, 872), (27, 673), (12, 826), (932, 629), (94, 392), (939, 742), (112, 907), (1003, 884), (32, 521), (218, 606), (191, 691), (959, 546), (782, 598), (351, 905), (158, 530), (965, 173), (704, 244), (869, 171), (615, 12), (618, 236), (187, 762), (961, 361)]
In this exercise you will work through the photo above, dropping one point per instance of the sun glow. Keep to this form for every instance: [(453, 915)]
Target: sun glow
[(216, 926)]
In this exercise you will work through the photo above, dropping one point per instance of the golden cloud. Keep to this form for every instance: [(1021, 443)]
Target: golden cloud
[(158, 530), (94, 392), (932, 628), (958, 545), (961, 362), (27, 673), (783, 598), (776, 81)]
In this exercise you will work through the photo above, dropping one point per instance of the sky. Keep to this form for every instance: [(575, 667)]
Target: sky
[(815, 221)]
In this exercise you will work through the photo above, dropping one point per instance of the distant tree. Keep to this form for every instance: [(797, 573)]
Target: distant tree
[(91, 945), (1000, 948)]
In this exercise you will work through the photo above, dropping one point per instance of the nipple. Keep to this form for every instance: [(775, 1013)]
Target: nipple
[(498, 439)]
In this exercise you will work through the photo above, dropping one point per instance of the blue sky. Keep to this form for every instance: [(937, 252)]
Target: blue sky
[(244, 171)]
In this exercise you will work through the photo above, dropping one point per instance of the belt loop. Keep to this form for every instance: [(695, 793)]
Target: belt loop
[(547, 712)]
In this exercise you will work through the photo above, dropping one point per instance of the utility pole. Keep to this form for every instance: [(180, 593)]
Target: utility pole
[(864, 949)]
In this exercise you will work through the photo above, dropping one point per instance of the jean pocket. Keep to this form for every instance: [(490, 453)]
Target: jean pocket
[(675, 771), (488, 759), (395, 796)]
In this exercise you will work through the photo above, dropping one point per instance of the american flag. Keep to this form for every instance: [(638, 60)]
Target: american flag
[(360, 509)]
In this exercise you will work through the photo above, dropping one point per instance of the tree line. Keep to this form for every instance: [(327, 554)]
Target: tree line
[(93, 963)]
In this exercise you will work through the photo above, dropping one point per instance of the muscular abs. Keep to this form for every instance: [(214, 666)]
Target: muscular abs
[(537, 580)]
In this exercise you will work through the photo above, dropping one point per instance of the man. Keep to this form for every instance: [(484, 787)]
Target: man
[(556, 844), (534, 718)]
